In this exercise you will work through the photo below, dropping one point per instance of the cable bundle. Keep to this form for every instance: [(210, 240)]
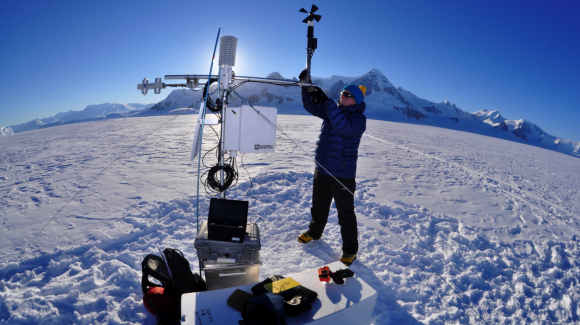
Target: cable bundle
[(212, 182), (211, 105)]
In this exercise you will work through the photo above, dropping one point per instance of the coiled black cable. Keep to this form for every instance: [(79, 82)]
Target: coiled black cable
[(212, 182)]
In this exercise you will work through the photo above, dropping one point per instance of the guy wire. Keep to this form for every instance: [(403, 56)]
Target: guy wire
[(253, 197)]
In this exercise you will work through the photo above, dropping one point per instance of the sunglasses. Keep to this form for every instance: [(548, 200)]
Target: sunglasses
[(347, 95)]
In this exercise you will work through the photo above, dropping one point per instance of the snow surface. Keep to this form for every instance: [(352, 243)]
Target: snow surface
[(493, 218), (5, 131)]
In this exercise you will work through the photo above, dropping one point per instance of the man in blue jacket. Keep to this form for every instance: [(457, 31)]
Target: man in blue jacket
[(336, 155)]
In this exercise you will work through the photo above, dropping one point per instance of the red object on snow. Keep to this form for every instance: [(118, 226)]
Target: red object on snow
[(161, 299), (324, 274)]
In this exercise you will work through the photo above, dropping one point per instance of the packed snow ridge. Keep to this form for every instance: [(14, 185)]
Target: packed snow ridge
[(435, 207), (5, 131)]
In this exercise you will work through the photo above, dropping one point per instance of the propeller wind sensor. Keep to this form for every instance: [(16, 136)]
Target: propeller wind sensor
[(312, 42), (311, 14)]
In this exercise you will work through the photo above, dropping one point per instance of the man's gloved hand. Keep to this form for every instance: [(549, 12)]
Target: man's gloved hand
[(317, 95), (339, 276), (304, 76)]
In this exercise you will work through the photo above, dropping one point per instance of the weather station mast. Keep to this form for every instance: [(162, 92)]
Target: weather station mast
[(246, 130), (231, 259)]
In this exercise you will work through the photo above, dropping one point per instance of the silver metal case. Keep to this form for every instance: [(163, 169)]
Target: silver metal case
[(242, 264), (220, 276), (210, 250)]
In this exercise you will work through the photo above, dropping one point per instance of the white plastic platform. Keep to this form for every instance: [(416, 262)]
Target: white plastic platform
[(347, 304)]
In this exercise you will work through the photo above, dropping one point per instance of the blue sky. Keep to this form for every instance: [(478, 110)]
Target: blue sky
[(519, 57)]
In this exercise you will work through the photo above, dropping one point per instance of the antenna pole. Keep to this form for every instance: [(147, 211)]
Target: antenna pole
[(223, 131), (312, 42), (310, 47), (204, 110)]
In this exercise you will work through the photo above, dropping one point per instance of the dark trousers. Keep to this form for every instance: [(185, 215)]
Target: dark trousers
[(325, 188)]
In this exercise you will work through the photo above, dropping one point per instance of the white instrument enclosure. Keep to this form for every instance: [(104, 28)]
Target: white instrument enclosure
[(248, 132)]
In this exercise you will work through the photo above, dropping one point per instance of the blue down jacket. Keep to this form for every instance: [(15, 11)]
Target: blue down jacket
[(339, 139)]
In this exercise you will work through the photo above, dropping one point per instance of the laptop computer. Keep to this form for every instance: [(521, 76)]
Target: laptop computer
[(227, 220)]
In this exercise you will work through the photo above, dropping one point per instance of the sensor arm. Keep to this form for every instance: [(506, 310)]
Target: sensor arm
[(247, 79), (145, 86)]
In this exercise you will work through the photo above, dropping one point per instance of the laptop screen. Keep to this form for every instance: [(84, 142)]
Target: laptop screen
[(228, 212)]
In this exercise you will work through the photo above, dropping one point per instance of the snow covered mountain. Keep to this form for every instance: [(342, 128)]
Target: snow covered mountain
[(387, 102), (90, 112), (4, 131), (384, 102)]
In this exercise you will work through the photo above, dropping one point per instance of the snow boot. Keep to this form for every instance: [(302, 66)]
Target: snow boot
[(305, 237), (347, 258)]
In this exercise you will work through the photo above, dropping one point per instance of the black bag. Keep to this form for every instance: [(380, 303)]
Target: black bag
[(296, 300), (239, 298), (265, 309), (154, 266), (184, 281)]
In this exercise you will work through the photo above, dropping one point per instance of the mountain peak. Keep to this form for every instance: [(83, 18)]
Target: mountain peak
[(275, 75), (494, 116), (375, 81), (374, 72)]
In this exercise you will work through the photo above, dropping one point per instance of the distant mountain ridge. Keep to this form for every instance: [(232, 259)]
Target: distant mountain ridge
[(91, 112), (387, 102), (384, 102)]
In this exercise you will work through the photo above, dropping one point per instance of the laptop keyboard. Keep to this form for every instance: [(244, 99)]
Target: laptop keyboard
[(226, 231)]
